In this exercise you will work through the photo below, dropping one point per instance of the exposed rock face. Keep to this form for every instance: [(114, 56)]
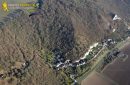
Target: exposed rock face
[(64, 26)]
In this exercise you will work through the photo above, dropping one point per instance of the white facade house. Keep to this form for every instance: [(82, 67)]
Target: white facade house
[(128, 27), (90, 50), (59, 64), (113, 30), (116, 17)]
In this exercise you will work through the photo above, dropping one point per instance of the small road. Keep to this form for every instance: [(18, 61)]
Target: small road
[(95, 65), (99, 59)]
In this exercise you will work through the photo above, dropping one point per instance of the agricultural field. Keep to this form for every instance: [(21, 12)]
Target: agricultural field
[(119, 70), (97, 79), (115, 73)]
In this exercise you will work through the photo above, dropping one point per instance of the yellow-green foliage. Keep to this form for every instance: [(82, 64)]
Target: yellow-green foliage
[(1, 68), (47, 56), (68, 80), (46, 7), (77, 1), (31, 10)]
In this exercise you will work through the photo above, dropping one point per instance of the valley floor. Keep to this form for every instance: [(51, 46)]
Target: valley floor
[(82, 79)]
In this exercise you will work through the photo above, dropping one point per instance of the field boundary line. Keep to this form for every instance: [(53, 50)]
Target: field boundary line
[(107, 78)]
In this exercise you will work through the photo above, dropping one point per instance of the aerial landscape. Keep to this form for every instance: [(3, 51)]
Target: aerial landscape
[(64, 42)]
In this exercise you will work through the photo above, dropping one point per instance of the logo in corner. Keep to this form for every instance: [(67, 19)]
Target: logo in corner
[(5, 6)]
